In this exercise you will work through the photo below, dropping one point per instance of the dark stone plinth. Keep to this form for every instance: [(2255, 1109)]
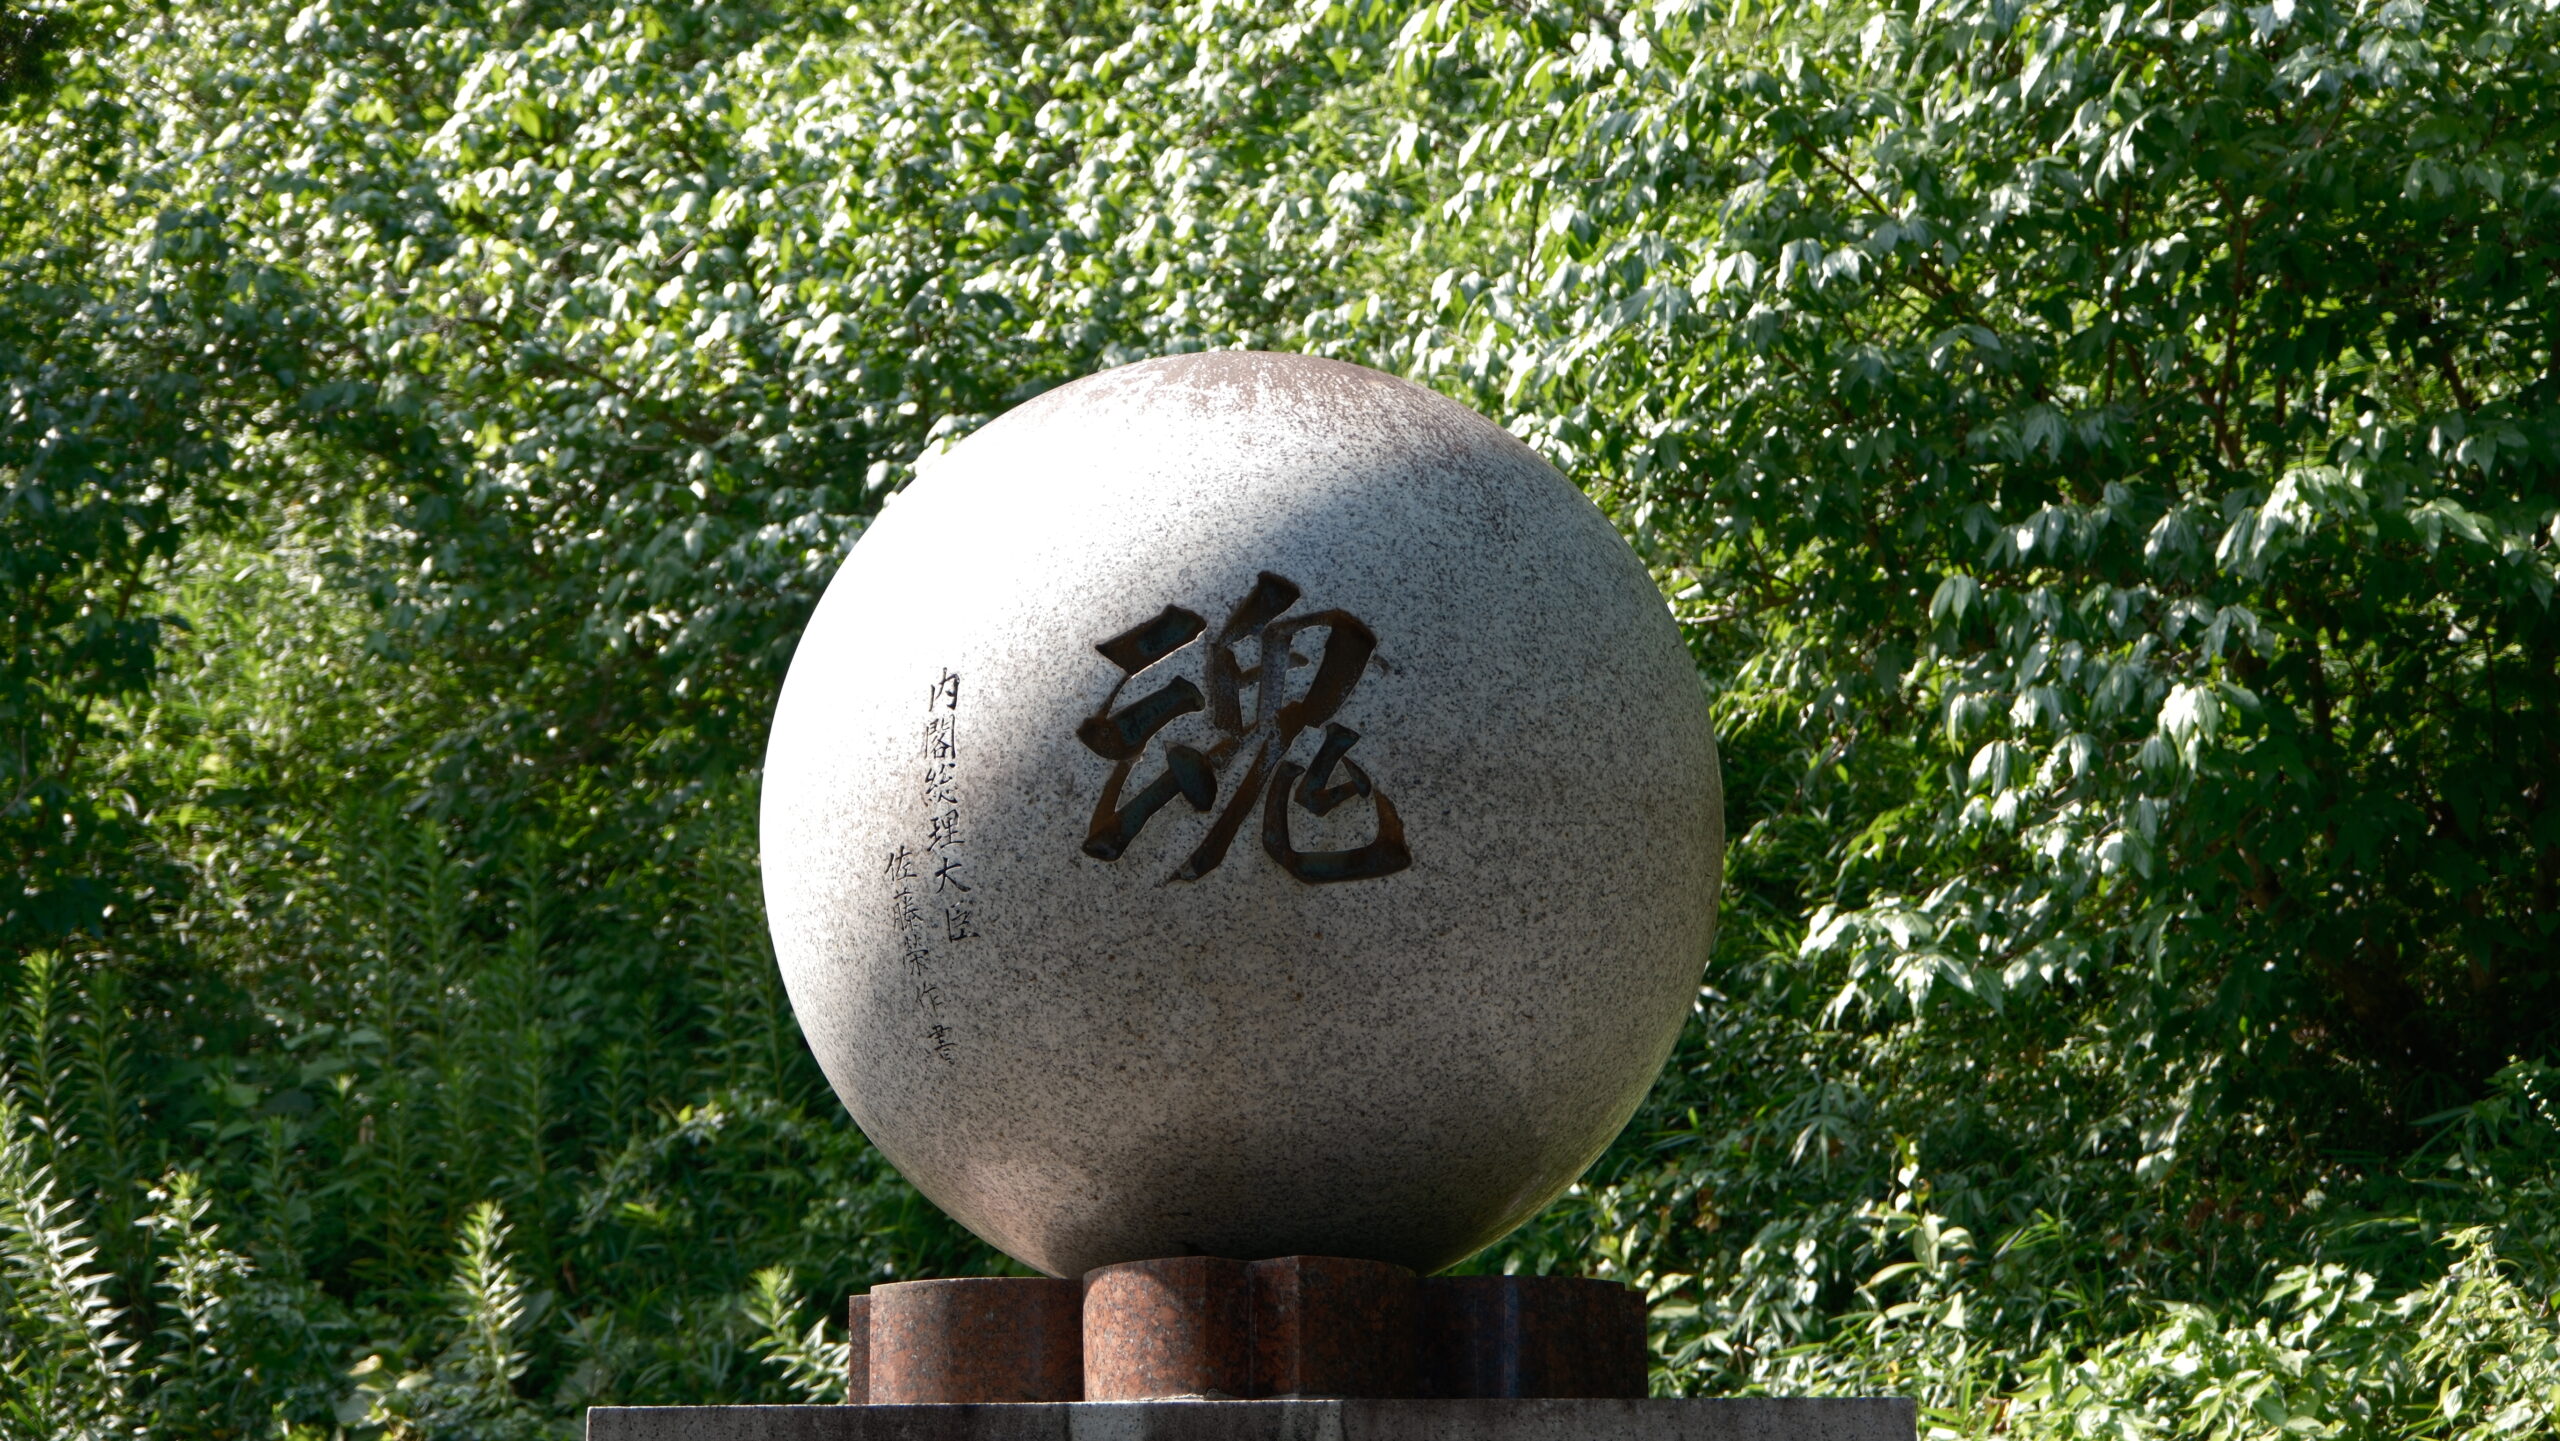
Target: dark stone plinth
[(1752, 1419), (1333, 1326), (1177, 1327), (1520, 1336), (976, 1339)]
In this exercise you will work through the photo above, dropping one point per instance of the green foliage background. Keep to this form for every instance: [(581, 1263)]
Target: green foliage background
[(2106, 458)]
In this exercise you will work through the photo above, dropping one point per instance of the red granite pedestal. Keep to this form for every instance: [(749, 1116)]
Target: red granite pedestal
[(975, 1338), (1209, 1328)]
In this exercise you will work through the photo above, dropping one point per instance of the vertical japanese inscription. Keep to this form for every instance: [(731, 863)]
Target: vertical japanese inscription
[(1254, 743), (932, 899)]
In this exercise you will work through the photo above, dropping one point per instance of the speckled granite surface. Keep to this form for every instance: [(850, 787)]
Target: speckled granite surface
[(1241, 805)]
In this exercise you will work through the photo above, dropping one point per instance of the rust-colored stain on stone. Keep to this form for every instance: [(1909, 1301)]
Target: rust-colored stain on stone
[(1177, 1327), (1531, 1336), (976, 1339)]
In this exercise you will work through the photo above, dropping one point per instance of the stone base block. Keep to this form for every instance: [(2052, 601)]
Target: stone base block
[(1209, 1329), (1333, 1326), (1524, 1336), (1755, 1419), (1177, 1327), (981, 1339)]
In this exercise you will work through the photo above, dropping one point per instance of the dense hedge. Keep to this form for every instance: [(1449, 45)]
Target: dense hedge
[(2104, 457)]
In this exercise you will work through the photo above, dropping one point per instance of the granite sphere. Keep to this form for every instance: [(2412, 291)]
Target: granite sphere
[(1243, 805)]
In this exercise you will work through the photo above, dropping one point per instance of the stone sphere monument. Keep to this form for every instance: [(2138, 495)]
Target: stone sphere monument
[(1241, 805)]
